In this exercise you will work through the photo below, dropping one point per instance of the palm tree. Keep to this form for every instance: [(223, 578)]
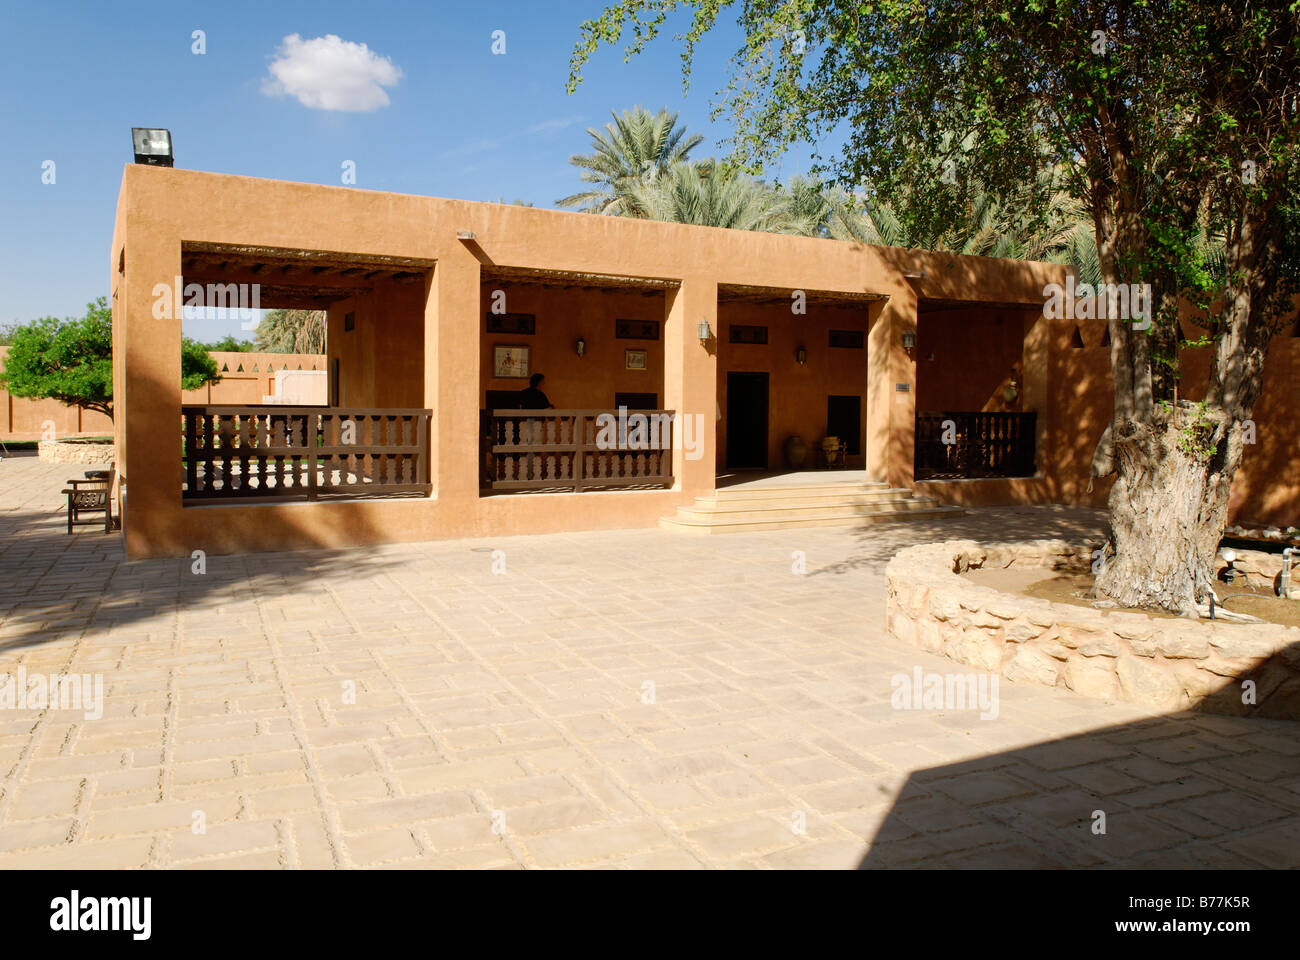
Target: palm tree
[(708, 194), (292, 331), (634, 150), (641, 168), (816, 209), (1041, 221)]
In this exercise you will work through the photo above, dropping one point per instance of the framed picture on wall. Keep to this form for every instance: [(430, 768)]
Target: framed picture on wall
[(634, 359), (510, 361)]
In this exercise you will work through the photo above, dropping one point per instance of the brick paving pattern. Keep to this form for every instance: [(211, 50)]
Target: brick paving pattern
[(618, 699)]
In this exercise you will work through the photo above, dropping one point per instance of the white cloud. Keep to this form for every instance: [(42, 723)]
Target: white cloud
[(328, 73)]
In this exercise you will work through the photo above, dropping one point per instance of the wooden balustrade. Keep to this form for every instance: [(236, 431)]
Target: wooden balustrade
[(982, 445), (577, 449), (272, 452)]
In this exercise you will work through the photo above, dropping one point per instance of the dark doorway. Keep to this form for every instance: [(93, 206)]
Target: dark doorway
[(844, 420), (747, 420), (637, 401), (502, 400)]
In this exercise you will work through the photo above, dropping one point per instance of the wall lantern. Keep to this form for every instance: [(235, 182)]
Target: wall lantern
[(580, 347), (704, 333), (909, 341), (1012, 389), (801, 355), (152, 146)]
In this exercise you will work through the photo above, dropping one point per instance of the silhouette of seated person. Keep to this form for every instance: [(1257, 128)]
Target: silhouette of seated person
[(532, 397)]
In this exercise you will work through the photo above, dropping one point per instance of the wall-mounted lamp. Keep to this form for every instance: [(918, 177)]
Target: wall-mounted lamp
[(704, 333), (466, 235), (801, 355), (1012, 389), (152, 146), (909, 343), (580, 347)]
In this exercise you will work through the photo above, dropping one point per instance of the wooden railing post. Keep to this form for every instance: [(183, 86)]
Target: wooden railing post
[(579, 452), (191, 448), (310, 438)]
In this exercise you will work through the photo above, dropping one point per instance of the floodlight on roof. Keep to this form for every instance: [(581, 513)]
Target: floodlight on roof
[(152, 146)]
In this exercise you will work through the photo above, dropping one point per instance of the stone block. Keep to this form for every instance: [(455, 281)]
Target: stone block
[(1196, 683), (1184, 645), (1088, 678), (928, 637), (944, 606), (1246, 642), (1100, 646), (1021, 630), (1003, 608), (1144, 681), (1033, 666)]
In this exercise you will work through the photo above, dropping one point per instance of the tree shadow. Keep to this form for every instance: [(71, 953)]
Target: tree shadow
[(1184, 790), (55, 586), (880, 541)]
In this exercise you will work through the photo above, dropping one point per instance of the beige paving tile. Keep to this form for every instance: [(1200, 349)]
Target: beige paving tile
[(522, 696)]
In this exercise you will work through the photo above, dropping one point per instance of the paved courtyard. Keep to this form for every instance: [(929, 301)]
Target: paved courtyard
[(619, 699)]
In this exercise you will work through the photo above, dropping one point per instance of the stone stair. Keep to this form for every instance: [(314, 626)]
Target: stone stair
[(836, 504)]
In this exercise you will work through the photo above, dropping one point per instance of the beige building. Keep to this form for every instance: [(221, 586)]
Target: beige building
[(729, 343)]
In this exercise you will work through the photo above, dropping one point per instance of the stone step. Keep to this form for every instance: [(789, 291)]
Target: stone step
[(731, 511), (810, 498), (806, 490), (718, 525)]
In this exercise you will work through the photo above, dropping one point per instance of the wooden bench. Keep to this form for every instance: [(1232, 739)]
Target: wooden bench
[(92, 495)]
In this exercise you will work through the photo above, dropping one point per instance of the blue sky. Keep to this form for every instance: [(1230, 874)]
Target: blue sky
[(460, 121)]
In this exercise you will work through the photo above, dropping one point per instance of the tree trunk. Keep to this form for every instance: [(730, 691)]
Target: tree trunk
[(1168, 509)]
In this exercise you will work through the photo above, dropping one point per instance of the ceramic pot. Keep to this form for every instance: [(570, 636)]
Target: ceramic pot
[(796, 452)]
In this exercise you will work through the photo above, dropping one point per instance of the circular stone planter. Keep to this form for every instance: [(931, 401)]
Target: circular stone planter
[(76, 450), (1162, 662)]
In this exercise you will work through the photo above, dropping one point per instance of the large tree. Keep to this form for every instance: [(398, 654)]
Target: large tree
[(1177, 119), (72, 360)]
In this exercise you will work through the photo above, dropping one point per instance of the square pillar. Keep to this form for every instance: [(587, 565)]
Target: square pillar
[(691, 383), (891, 393), (1033, 375), (451, 375), (147, 395)]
